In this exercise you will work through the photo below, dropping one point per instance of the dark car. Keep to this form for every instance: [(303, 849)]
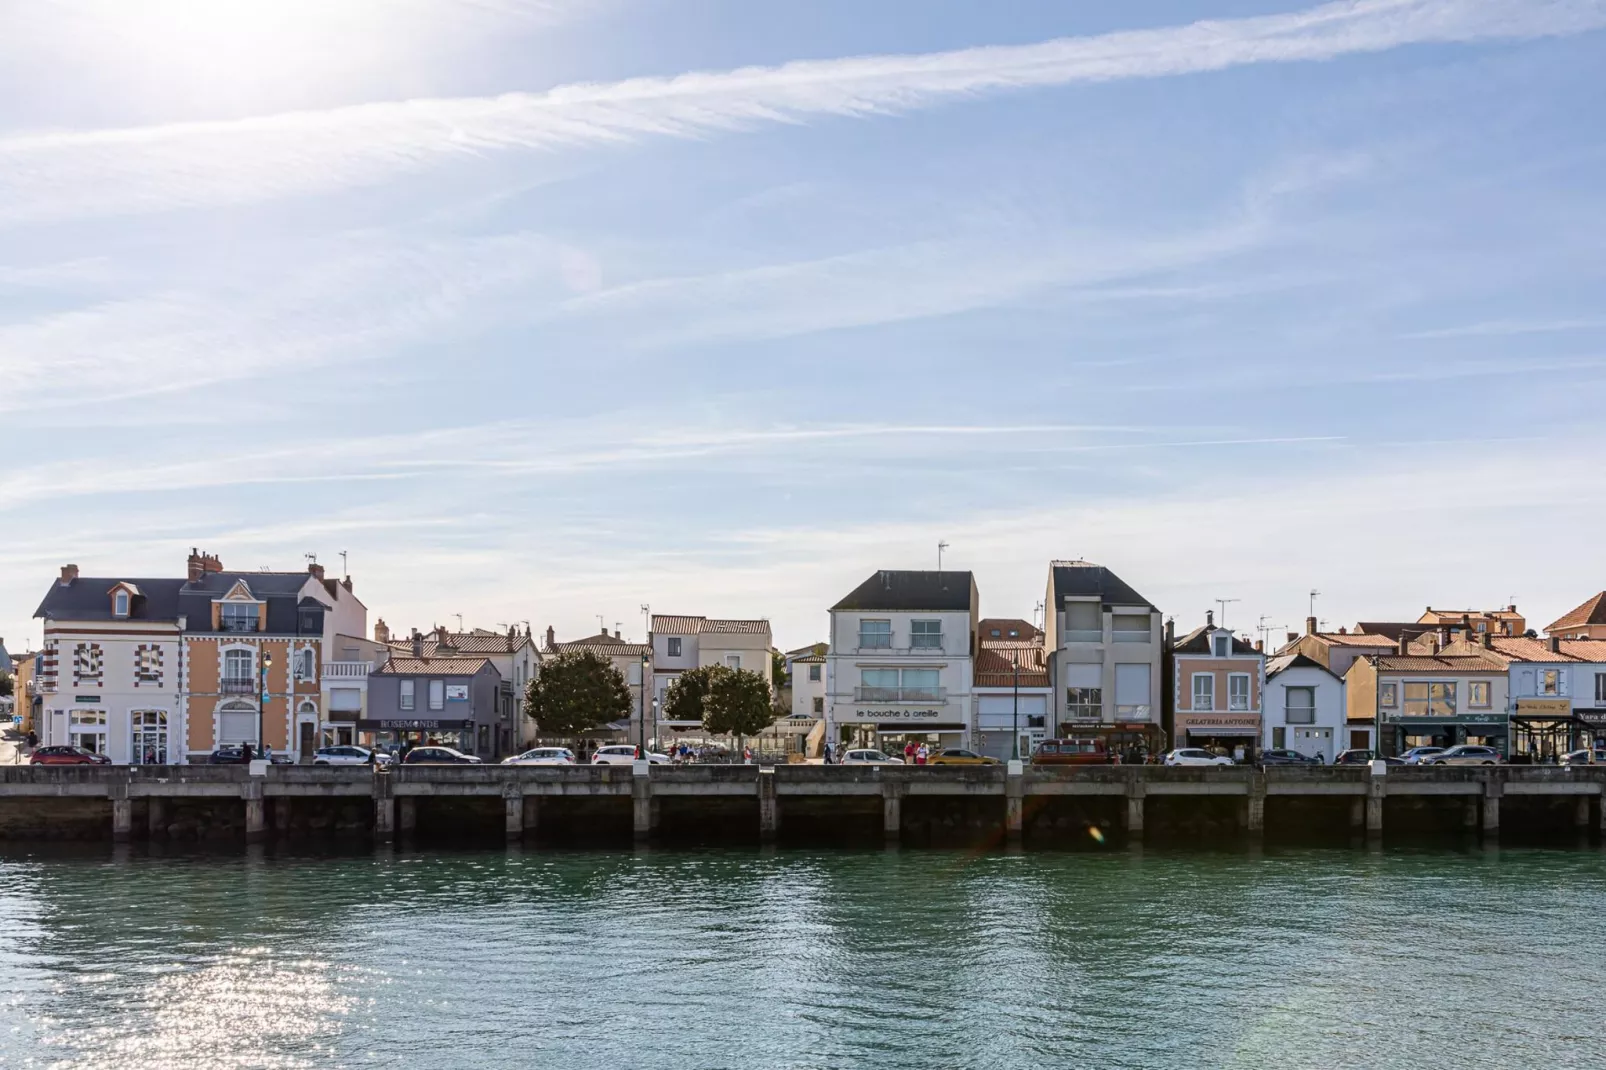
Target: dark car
[(1354, 757), (1281, 756), (236, 756), (67, 756), (438, 756), (1071, 752)]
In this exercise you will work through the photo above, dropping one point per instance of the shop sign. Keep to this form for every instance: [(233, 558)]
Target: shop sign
[(901, 715), (1545, 707), (456, 692), (1249, 721), (86, 698), (414, 725)]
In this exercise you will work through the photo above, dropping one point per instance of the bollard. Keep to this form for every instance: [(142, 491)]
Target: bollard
[(641, 809), (891, 811)]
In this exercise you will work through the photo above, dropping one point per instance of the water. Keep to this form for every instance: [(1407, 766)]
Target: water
[(658, 959)]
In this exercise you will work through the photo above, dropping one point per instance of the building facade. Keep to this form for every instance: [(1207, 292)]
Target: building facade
[(1104, 646), (1557, 691), (807, 669), (1218, 684), (454, 701), (1587, 621), (1304, 708), (682, 643), (1429, 700), (902, 661), (514, 654), (1013, 694)]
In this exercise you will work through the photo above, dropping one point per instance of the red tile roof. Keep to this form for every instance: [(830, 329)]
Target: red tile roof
[(995, 663), (1592, 611), (700, 625), (1443, 663), (1023, 629), (410, 666)]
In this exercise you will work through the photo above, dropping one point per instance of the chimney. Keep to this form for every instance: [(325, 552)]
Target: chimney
[(346, 583), (551, 638), (69, 573), (1435, 641), (200, 564), (1487, 640), (1342, 630), (1171, 631), (1210, 618), (381, 631), (1293, 637), (1403, 647), (1511, 609), (315, 569), (1444, 638), (1260, 646), (442, 636), (418, 644), (1554, 644), (1310, 625)]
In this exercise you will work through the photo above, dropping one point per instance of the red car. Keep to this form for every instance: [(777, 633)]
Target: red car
[(67, 756)]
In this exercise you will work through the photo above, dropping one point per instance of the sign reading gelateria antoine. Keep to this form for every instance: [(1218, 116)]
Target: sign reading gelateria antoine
[(1227, 724), (903, 715)]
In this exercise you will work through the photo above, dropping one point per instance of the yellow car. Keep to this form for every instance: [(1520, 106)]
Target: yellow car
[(955, 756)]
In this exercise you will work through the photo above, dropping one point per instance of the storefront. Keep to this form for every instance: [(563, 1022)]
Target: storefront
[(1401, 734), (1543, 729), (389, 734), (1236, 735)]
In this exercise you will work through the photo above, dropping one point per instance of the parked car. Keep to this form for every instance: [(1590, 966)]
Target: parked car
[(624, 754), (1579, 757), (1465, 754), (869, 757), (236, 756), (62, 755), (1282, 756), (1416, 755), (1071, 752), (347, 754), (960, 756), (542, 756), (436, 755), (1355, 756), (1196, 756)]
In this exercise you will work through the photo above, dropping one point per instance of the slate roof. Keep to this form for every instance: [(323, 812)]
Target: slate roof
[(277, 589), (1284, 662), (1592, 611), (905, 589), (1083, 579), (995, 666), (89, 598), (1198, 642), (410, 666)]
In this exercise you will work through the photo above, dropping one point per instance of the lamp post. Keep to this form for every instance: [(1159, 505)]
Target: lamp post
[(1015, 747), (267, 663), (645, 661)]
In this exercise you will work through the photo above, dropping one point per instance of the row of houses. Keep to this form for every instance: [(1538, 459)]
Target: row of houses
[(911, 658), (167, 669)]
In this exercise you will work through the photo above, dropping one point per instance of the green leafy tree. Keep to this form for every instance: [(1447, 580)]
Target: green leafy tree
[(684, 701), (7, 685), (576, 693), (738, 703)]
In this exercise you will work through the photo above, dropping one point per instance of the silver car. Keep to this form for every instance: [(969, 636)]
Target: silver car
[(869, 756), (348, 754), (1465, 754), (542, 756)]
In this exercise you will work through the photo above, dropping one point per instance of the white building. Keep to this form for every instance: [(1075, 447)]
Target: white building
[(1304, 708), (1557, 690), (1105, 642), (1013, 695), (901, 664), (681, 643), (111, 669), (807, 668)]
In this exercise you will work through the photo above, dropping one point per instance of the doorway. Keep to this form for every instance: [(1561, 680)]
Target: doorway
[(87, 729)]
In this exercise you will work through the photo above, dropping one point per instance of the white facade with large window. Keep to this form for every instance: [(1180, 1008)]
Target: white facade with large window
[(117, 691), (1104, 645), (1304, 709)]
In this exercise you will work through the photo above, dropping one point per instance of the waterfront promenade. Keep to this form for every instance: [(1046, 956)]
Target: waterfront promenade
[(750, 802)]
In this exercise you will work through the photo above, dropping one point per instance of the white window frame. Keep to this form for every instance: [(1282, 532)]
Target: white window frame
[(1551, 682), (1209, 697), (1472, 693), (1248, 698), (223, 616), (1388, 695), (250, 663), (1289, 707), (862, 634), (437, 694), (814, 673), (919, 639), (1221, 646), (120, 603), (407, 695)]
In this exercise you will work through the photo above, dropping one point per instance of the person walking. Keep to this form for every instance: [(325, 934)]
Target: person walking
[(245, 753), (909, 753), (827, 752), (33, 741), (921, 754)]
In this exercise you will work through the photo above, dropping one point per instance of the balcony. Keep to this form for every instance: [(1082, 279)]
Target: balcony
[(1129, 636), (237, 685), (1083, 635), (868, 641), (345, 670), (900, 694), (1134, 713)]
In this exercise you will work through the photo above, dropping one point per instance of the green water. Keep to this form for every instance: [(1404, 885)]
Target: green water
[(675, 959)]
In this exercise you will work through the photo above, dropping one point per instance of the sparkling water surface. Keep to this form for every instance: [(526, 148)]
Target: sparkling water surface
[(800, 958)]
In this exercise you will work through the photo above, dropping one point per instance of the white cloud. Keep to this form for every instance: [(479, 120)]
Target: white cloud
[(52, 175)]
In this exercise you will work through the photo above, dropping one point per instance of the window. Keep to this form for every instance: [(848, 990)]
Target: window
[(238, 617), (1087, 702), (1429, 700), (875, 635), (1389, 695), (925, 634), (310, 624), (1238, 691), (819, 705), (437, 694), (305, 664), (1279, 735), (149, 729), (1478, 694), (733, 661), (237, 667), (1132, 691), (147, 664), (1600, 688), (1204, 691), (407, 695), (674, 646), (120, 604), (1550, 682), (1299, 705), (1084, 622), (899, 685), (1223, 645), (88, 663), (814, 672), (1130, 627)]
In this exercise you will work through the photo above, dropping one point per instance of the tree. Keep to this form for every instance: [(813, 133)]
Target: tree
[(7, 685), (685, 698), (738, 703), (575, 693)]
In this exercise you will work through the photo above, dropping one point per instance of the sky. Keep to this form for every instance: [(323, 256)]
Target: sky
[(546, 310)]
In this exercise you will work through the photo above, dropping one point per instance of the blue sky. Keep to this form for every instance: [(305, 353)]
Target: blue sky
[(546, 310)]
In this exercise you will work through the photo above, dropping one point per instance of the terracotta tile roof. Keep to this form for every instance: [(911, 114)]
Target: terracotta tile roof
[(1021, 629), (410, 666), (700, 625), (1508, 649), (1592, 611), (604, 644), (475, 642), (1355, 639), (995, 664), (1443, 663), (1453, 616)]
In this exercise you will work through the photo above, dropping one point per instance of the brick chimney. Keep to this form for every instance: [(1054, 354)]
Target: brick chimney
[(1554, 644), (1310, 625), (69, 573), (316, 570), (1487, 640), (418, 644), (551, 638), (200, 564), (1260, 647), (1293, 637), (1403, 647), (381, 631)]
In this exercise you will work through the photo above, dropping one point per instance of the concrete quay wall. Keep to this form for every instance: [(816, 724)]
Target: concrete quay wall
[(1067, 806)]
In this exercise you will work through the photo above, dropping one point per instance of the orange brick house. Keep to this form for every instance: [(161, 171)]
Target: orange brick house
[(1218, 686)]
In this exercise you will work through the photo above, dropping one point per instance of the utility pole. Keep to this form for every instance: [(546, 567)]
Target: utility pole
[(941, 546), (1223, 603), (646, 662), (1015, 747)]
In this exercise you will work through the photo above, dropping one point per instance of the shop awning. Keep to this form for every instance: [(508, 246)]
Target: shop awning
[(1233, 730), (906, 728)]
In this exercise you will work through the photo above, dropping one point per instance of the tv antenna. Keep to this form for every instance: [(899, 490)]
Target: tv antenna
[(941, 546), (1224, 603)]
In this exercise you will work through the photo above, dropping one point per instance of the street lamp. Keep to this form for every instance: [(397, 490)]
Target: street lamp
[(645, 661), (1016, 674), (267, 663)]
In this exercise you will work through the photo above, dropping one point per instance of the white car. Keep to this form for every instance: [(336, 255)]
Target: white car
[(347, 755), (624, 754), (1196, 756), (542, 756), (869, 757)]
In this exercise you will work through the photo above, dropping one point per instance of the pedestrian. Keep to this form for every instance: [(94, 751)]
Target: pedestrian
[(747, 755), (921, 754), (909, 752), (245, 753), (828, 752), (33, 739)]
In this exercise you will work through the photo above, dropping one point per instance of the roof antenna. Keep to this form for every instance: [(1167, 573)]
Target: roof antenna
[(459, 617), (345, 569), (941, 546), (1314, 594), (1224, 603)]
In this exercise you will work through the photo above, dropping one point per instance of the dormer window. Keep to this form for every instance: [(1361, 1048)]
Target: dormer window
[(120, 603), (238, 617), (1223, 645)]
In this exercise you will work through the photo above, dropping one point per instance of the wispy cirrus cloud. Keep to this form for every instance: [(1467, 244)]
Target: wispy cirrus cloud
[(65, 174)]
